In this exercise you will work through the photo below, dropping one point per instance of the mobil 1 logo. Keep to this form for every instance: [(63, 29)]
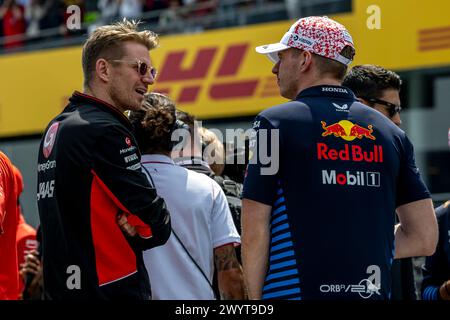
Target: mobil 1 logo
[(351, 178)]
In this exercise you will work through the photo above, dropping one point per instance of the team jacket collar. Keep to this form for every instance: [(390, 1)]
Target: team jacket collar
[(83, 98), (327, 91)]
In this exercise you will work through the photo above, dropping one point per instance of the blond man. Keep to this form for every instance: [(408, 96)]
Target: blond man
[(97, 209)]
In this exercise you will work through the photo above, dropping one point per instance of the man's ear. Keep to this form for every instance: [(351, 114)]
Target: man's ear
[(307, 60), (102, 69)]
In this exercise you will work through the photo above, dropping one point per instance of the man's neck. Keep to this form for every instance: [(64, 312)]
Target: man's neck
[(101, 95), (319, 82)]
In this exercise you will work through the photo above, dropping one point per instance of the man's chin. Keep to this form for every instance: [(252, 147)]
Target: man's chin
[(285, 95), (139, 100), (136, 106)]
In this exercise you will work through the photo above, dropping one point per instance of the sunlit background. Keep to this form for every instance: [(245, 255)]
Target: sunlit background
[(207, 63)]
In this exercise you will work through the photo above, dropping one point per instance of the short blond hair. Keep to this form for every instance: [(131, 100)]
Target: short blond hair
[(106, 42), (216, 159)]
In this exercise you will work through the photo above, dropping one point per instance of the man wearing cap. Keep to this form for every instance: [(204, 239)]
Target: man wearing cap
[(322, 225)]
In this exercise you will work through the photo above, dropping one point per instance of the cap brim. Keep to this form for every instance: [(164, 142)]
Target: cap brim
[(271, 50)]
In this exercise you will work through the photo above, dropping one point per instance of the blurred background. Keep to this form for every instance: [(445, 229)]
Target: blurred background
[(207, 64)]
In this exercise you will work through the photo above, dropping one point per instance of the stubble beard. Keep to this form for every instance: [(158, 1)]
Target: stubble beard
[(287, 92), (122, 101)]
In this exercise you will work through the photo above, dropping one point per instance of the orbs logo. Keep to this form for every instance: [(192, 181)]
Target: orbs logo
[(49, 139), (347, 130), (369, 289)]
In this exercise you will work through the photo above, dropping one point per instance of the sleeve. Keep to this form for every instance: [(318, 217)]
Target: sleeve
[(2, 199), (435, 271), (437, 268), (7, 187), (410, 185), (260, 182), (117, 166), (223, 228), (26, 240), (8, 232)]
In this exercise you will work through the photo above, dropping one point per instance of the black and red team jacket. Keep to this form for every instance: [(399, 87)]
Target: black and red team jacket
[(88, 173)]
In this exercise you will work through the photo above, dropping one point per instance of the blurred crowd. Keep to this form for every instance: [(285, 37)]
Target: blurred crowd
[(28, 21)]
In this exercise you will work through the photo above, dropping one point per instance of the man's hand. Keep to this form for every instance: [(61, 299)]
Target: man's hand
[(150, 228), (229, 273), (444, 290), (31, 272), (125, 226)]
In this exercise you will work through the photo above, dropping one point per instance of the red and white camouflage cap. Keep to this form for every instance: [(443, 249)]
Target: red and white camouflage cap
[(319, 35)]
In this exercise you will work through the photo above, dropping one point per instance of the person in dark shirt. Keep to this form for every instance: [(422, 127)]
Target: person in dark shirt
[(98, 211), (325, 179), (436, 271), (379, 88)]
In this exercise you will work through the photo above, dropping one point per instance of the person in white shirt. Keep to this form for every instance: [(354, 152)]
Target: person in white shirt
[(203, 233)]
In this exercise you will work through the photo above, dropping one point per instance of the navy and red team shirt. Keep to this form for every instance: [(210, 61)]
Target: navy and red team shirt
[(343, 170)]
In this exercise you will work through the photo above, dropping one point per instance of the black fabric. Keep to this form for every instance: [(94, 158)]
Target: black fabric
[(233, 192), (437, 267), (403, 282), (91, 142)]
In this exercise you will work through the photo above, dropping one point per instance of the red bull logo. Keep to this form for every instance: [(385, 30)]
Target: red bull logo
[(350, 153), (347, 130)]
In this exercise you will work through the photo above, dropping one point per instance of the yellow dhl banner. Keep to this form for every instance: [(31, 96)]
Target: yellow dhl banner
[(217, 73)]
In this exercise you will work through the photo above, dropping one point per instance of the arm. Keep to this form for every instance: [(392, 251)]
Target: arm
[(2, 201), (436, 280), (255, 245), (229, 273), (142, 216), (7, 189), (436, 271), (417, 232)]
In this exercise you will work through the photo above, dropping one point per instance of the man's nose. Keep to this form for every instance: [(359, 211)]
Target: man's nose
[(275, 68), (148, 79), (397, 120)]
